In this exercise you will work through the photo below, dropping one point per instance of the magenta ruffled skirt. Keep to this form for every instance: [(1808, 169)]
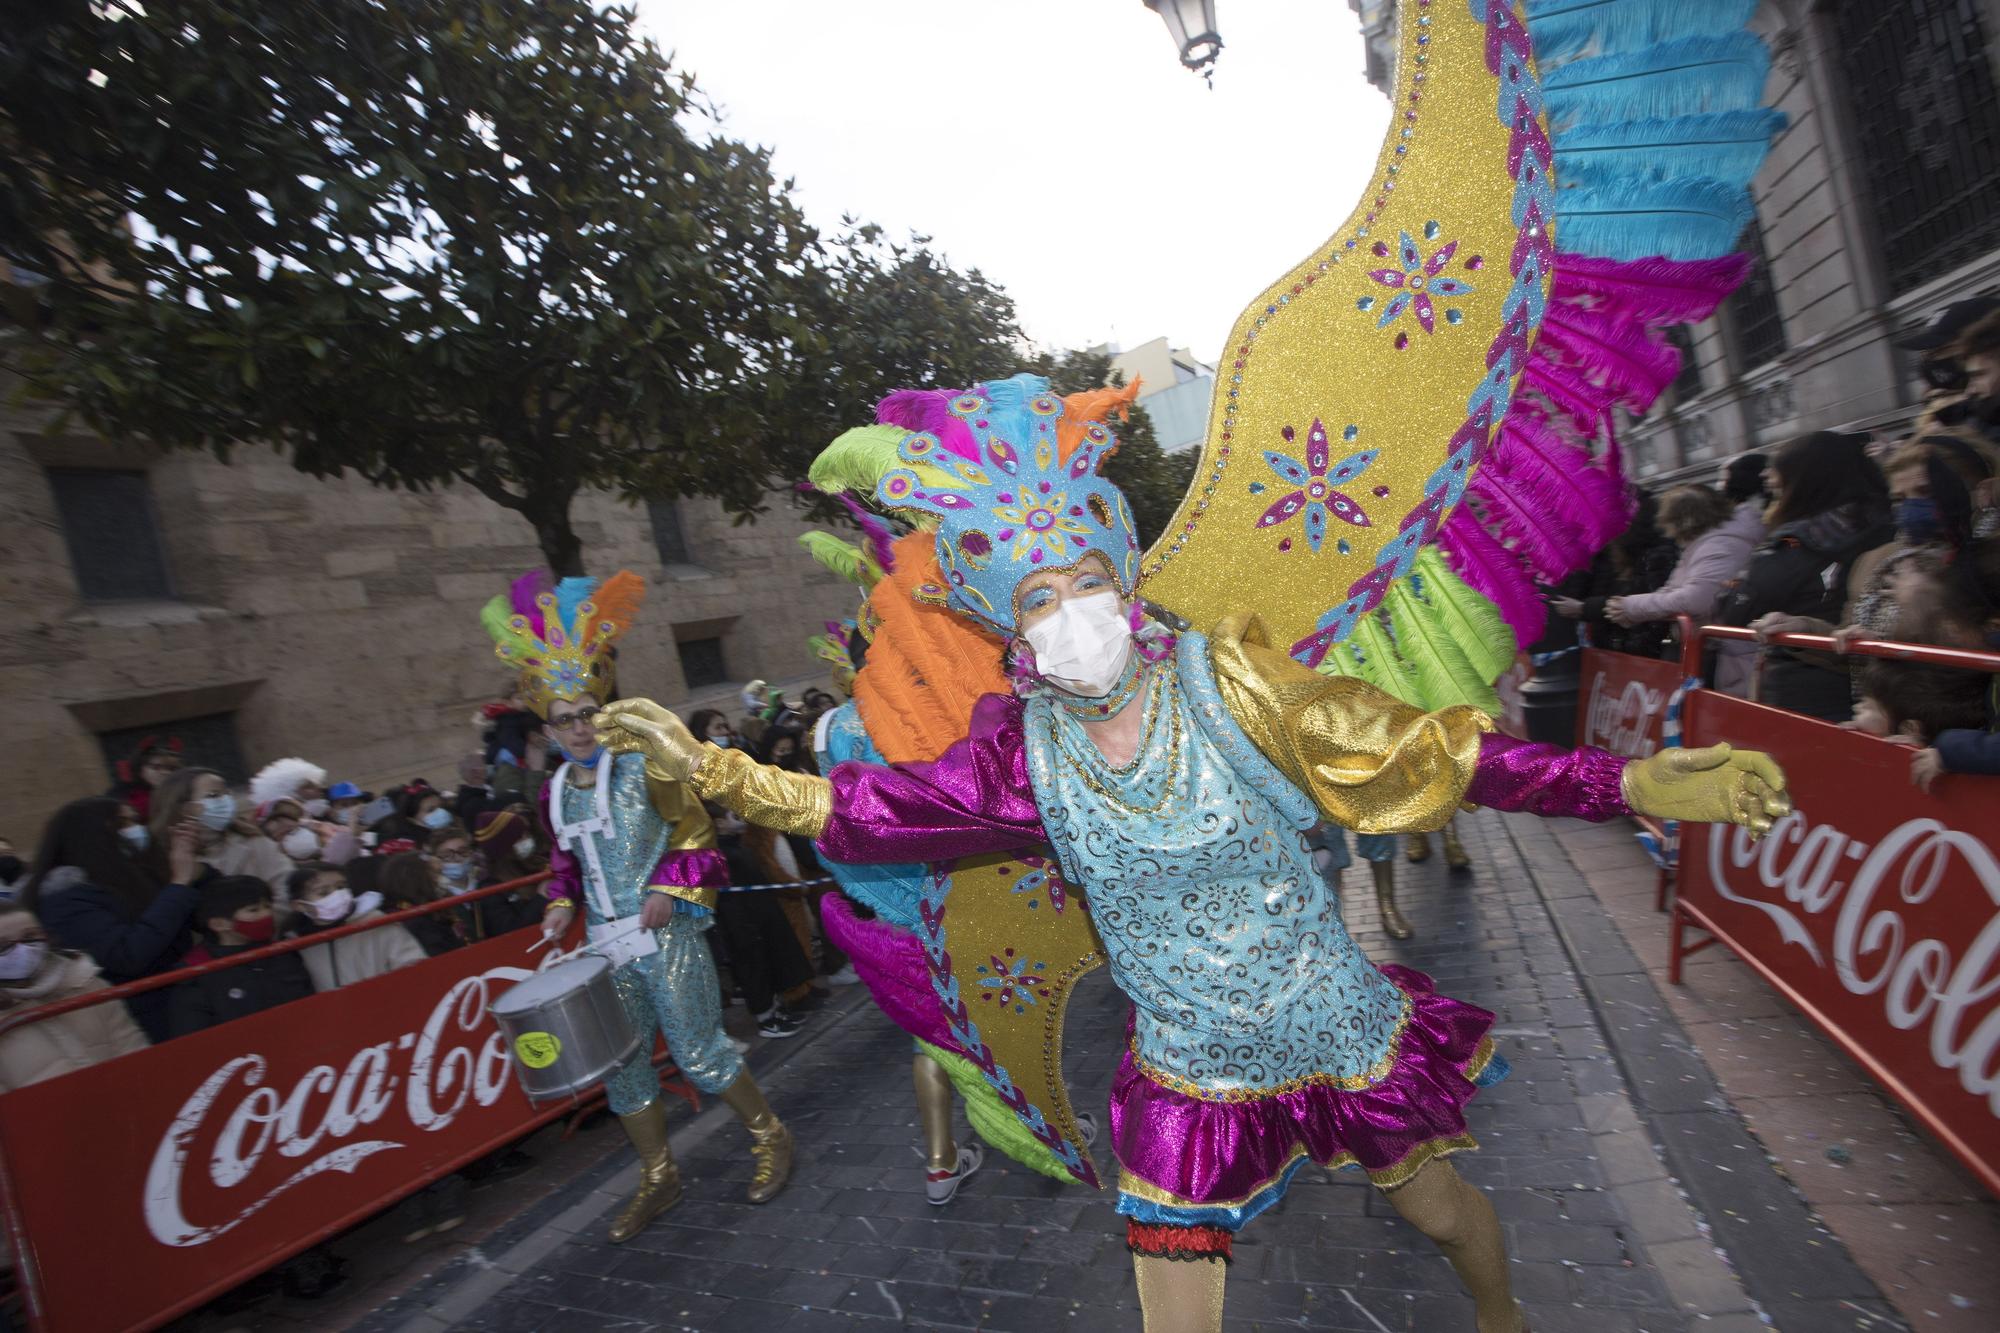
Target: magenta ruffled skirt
[(891, 964), (1200, 1162)]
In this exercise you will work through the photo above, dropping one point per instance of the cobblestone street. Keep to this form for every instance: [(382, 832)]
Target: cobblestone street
[(1603, 1239)]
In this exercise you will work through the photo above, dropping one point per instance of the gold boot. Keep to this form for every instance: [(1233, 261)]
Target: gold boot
[(1393, 924), (659, 1178), (1454, 851), (770, 1141), (1417, 847)]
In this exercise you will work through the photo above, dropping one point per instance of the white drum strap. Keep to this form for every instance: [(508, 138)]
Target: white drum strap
[(580, 838)]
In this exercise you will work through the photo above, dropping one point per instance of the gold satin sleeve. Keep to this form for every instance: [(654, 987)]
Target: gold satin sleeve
[(1369, 761), (762, 793), (693, 831)]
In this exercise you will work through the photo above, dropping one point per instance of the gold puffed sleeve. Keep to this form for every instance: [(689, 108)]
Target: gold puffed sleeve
[(763, 793), (693, 831), (1368, 761)]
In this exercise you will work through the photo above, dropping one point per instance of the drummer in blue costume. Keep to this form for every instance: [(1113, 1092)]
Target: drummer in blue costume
[(639, 855)]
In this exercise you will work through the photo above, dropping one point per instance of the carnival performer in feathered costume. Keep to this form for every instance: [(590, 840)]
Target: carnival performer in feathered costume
[(638, 851), (1410, 423)]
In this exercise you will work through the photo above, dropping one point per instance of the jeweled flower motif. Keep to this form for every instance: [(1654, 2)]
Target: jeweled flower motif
[(1037, 518), (1316, 497), (1013, 981), (1418, 280), (568, 678)]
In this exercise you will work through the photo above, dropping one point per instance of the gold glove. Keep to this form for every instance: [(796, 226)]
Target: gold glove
[(763, 793), (643, 727), (1716, 785)]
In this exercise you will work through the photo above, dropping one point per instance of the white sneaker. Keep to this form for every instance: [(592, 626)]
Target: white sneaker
[(742, 1047), (940, 1186), (844, 977)]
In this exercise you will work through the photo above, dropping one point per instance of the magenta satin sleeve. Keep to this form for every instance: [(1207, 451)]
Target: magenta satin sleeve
[(1548, 780), (973, 798)]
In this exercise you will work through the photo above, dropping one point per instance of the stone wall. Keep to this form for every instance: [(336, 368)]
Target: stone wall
[(336, 620)]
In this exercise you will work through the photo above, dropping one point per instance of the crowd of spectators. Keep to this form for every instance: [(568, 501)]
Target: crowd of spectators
[(1841, 535)]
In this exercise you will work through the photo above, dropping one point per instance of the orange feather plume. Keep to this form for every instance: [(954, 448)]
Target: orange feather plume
[(926, 667), (1080, 409), (617, 600)]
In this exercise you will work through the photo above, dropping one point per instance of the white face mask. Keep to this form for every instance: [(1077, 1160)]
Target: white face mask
[(301, 844), (137, 837), (524, 848), (23, 960), (436, 819), (315, 809), (218, 812), (1083, 644), (366, 903), (331, 908)]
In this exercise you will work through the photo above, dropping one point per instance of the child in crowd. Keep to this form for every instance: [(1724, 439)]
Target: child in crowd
[(324, 899), (409, 879), (235, 917)]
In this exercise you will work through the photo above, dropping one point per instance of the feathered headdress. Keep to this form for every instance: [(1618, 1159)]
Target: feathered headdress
[(1007, 472), (559, 635), (282, 778)]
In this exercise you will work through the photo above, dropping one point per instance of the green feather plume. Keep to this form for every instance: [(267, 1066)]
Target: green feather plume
[(1474, 623), (859, 458), (495, 616), (991, 1118), (1440, 670), (1369, 654), (844, 558)]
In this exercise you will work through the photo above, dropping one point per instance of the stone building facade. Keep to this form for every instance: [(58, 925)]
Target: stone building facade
[(256, 612), (1878, 205)]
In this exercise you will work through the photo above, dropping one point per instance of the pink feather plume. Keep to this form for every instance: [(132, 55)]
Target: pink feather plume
[(881, 541), (1612, 350), (1494, 573), (929, 409), (1560, 477), (521, 595), (1656, 291)]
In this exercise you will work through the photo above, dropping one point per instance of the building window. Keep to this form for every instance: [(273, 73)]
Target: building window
[(1754, 317), (206, 742), (668, 538), (1687, 384), (112, 533), (1927, 130), (701, 663)]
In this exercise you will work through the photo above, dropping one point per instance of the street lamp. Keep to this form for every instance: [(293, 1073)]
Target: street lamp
[(1191, 23)]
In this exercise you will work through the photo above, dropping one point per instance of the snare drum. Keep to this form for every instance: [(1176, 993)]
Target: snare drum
[(566, 1028)]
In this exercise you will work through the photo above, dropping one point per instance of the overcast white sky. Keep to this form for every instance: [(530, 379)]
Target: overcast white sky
[(1057, 144)]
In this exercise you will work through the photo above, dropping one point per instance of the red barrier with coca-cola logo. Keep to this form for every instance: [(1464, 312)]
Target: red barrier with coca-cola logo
[(147, 1184), (1875, 908), (1621, 702)]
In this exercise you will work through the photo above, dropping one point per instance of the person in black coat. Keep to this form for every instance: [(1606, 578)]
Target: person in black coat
[(236, 918), (1640, 559), (1832, 507), (94, 893)]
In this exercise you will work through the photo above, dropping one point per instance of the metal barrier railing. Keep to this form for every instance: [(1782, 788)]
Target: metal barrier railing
[(174, 977)]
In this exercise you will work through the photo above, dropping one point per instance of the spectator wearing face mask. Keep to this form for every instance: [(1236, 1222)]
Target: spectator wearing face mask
[(420, 812), (236, 917), (409, 879), (713, 726), (323, 899), (229, 841), (94, 890), (292, 779), (34, 972), (450, 850), (506, 850), (157, 759)]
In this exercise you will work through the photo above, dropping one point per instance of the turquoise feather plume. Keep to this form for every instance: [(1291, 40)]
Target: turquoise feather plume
[(1566, 28), (1637, 219), (1695, 76), (1727, 146), (570, 594)]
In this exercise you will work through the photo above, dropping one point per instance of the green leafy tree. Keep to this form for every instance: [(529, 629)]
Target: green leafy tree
[(1153, 480), (428, 241)]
